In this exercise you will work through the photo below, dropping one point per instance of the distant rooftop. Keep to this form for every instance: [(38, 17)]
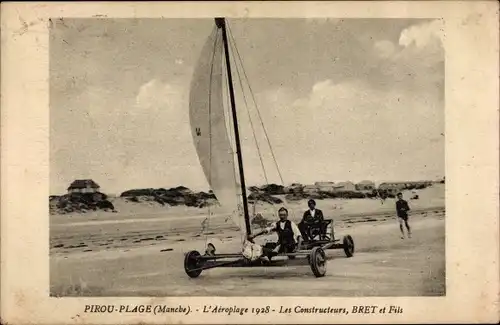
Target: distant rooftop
[(366, 182), (83, 183)]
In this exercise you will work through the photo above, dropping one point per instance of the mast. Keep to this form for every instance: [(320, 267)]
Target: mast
[(221, 23)]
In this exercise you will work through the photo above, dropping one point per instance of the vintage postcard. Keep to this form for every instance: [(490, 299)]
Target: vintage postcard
[(250, 162)]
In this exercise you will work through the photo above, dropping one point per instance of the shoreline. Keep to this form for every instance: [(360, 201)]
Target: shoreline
[(156, 235), (220, 215)]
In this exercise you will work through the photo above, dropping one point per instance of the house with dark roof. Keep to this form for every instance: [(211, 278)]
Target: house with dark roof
[(365, 186), (83, 186), (294, 188)]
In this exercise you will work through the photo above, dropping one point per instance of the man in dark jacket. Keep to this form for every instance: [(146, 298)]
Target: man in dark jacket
[(289, 236), (402, 209), (312, 216)]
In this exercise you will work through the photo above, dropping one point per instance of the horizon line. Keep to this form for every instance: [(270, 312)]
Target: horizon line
[(263, 184)]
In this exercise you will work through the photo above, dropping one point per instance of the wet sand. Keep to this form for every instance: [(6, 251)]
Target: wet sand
[(144, 257)]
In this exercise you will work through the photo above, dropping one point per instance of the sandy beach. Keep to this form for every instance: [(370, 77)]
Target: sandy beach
[(141, 254)]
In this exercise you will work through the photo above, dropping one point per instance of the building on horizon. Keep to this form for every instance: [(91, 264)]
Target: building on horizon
[(325, 186), (294, 188), (365, 186), (83, 186), (344, 187), (310, 189), (394, 187)]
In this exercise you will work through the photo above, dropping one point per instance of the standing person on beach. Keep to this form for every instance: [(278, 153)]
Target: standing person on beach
[(402, 209), (311, 216)]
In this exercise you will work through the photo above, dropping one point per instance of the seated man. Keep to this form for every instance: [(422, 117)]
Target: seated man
[(289, 236), (311, 216)]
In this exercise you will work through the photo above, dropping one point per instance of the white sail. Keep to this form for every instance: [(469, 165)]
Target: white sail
[(208, 127)]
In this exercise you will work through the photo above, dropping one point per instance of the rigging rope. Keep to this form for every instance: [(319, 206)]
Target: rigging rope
[(255, 103), (250, 117), (233, 41), (266, 179)]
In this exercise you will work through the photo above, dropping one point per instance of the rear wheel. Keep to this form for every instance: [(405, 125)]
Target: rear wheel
[(192, 264), (317, 261), (348, 245)]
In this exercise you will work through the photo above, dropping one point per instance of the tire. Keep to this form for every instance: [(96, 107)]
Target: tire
[(348, 245), (192, 266), (317, 261)]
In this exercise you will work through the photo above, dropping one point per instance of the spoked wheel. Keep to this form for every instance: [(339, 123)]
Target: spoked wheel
[(192, 264), (317, 261), (348, 246)]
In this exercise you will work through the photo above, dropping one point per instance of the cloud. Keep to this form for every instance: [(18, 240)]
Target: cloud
[(415, 64), (368, 131), (156, 94), (372, 112), (357, 100), (419, 41), (423, 35), (145, 137)]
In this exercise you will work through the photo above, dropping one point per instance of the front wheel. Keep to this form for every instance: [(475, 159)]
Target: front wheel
[(192, 264), (348, 244), (317, 261)]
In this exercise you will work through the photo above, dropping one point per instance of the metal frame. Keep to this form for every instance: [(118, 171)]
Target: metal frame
[(194, 263), (305, 257)]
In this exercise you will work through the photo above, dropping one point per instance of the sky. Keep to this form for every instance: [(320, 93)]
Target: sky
[(340, 99)]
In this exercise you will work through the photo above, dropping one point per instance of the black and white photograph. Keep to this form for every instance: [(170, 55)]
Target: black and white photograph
[(234, 157), (232, 162)]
